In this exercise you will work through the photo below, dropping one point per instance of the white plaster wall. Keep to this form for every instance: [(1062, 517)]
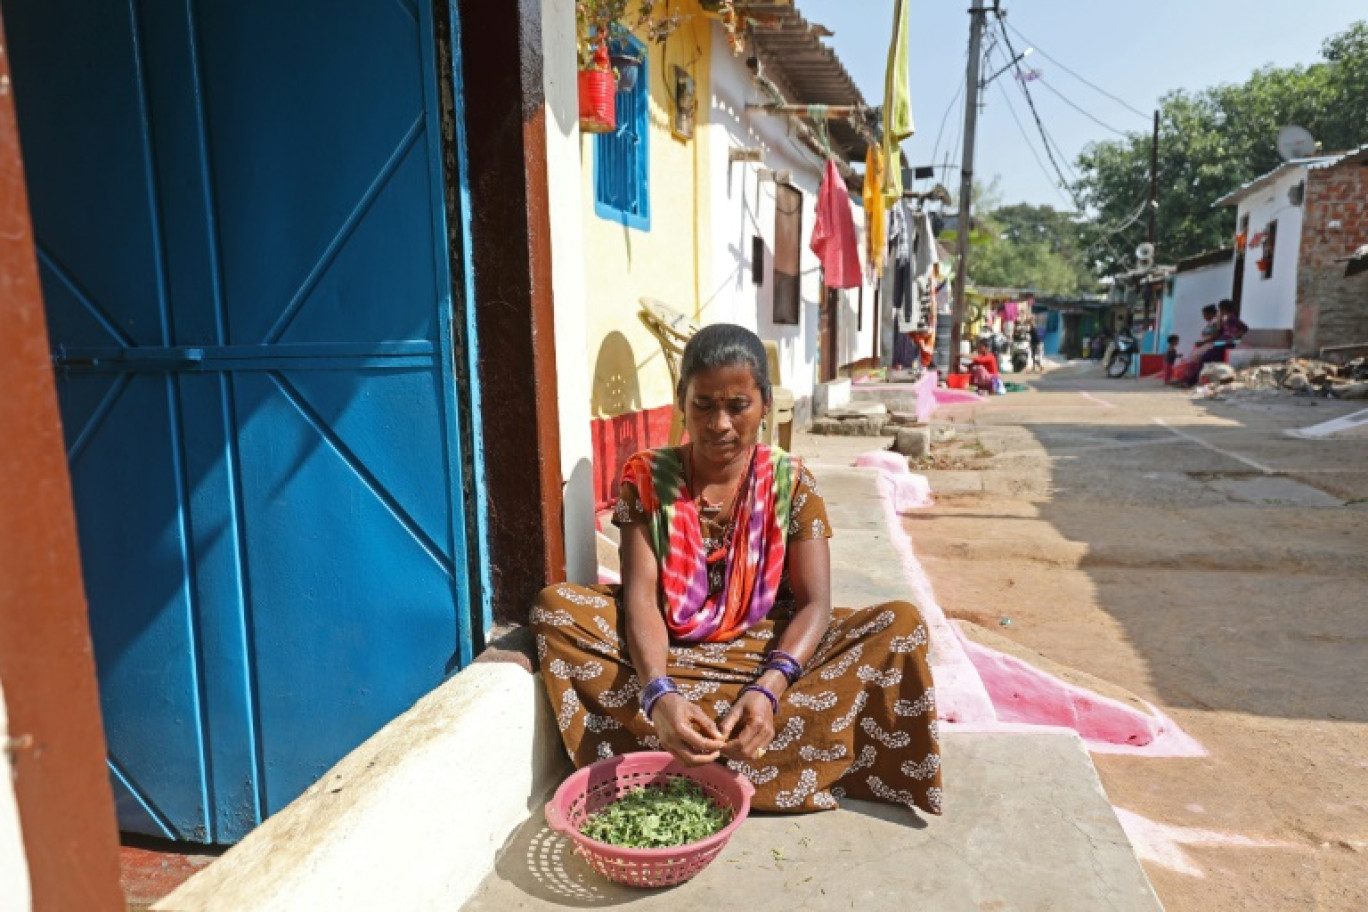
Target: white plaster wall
[(1194, 289), (565, 205), (1272, 303), (742, 207), (668, 262), (15, 892)]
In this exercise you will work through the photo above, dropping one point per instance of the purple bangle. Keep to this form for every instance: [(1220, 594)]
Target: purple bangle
[(785, 664), (769, 694), (654, 690)]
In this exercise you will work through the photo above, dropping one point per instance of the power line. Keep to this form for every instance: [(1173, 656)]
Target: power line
[(1080, 110), (1049, 153), (1104, 234), (1075, 75), (1006, 97), (944, 117), (1054, 144)]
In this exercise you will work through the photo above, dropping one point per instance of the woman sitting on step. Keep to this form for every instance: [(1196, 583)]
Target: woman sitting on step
[(721, 643)]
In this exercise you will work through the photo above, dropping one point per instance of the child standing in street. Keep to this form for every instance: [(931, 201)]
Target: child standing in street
[(1170, 358)]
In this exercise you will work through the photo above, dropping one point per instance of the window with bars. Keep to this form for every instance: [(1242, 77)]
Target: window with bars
[(1269, 245), (622, 160)]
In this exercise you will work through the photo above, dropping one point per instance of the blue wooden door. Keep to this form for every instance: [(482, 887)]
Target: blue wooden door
[(239, 213)]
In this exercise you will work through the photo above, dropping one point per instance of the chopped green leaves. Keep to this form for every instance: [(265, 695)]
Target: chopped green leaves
[(658, 817)]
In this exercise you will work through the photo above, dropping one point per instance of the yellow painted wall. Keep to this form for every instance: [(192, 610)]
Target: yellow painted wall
[(670, 262)]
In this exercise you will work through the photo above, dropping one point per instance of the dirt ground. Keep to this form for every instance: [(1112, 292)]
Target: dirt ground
[(1192, 553)]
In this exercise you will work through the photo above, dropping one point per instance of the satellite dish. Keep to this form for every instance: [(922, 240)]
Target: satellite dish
[(1145, 252), (1295, 142)]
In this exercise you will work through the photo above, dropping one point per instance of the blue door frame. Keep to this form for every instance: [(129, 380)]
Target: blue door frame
[(240, 216)]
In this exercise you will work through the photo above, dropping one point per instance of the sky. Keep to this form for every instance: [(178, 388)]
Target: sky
[(1135, 51)]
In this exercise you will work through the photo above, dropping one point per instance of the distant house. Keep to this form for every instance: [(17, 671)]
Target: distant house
[(1136, 299), (1294, 227), (1068, 322), (1198, 281)]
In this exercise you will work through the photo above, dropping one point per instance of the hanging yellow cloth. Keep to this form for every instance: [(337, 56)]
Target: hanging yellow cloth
[(874, 208), (897, 107)]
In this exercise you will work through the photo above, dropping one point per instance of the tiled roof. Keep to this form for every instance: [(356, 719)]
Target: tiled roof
[(793, 56)]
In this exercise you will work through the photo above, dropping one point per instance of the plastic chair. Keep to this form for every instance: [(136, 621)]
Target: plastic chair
[(781, 403), (673, 330)]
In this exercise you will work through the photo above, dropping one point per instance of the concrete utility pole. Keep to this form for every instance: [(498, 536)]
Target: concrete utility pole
[(977, 17), (1154, 179), (1151, 292)]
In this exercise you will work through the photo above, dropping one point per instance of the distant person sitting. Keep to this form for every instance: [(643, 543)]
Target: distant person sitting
[(1186, 371), (1037, 347), (1230, 329), (983, 370), (1233, 329), (1170, 358), (1099, 344)]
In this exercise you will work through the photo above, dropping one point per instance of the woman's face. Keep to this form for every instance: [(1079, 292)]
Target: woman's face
[(723, 409)]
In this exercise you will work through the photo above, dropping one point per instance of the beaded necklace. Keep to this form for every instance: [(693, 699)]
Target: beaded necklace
[(717, 553)]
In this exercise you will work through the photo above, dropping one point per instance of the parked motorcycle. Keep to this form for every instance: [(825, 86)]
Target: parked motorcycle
[(997, 344), (1021, 349), (1120, 354)]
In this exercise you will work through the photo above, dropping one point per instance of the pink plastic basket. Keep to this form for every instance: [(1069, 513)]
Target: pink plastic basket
[(599, 784)]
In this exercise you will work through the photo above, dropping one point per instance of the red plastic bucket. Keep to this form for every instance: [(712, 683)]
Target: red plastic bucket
[(597, 101), (957, 381)]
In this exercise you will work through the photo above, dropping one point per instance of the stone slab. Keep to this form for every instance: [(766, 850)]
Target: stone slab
[(832, 394), (852, 499), (866, 426), (1274, 490), (1027, 826), (859, 408), (894, 398)]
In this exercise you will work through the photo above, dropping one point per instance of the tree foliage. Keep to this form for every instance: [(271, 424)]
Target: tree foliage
[(1213, 141), (1035, 247)]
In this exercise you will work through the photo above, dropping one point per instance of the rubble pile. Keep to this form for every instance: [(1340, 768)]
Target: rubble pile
[(1295, 376)]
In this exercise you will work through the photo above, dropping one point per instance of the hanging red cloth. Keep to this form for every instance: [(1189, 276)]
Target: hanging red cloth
[(833, 237)]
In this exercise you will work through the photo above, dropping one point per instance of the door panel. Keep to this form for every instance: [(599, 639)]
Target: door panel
[(356, 598), (296, 169), (135, 555), (239, 208), (92, 165), (365, 413), (382, 256)]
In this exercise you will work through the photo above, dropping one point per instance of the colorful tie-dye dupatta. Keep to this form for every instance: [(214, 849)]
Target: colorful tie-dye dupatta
[(754, 562)]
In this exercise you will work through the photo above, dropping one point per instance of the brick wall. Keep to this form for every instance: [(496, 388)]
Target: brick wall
[(1332, 310)]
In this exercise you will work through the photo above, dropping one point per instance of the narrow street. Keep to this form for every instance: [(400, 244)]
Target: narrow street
[(1191, 553)]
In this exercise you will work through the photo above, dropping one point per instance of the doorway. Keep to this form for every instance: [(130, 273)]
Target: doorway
[(241, 233)]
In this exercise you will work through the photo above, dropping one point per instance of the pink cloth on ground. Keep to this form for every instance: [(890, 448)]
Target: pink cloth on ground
[(833, 237), (907, 491), (925, 390)]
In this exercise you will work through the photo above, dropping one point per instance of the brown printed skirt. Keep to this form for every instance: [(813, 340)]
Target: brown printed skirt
[(860, 722)]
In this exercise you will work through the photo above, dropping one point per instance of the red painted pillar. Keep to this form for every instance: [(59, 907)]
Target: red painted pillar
[(66, 809)]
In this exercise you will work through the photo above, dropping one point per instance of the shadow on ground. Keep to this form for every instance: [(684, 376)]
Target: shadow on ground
[(1230, 554)]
